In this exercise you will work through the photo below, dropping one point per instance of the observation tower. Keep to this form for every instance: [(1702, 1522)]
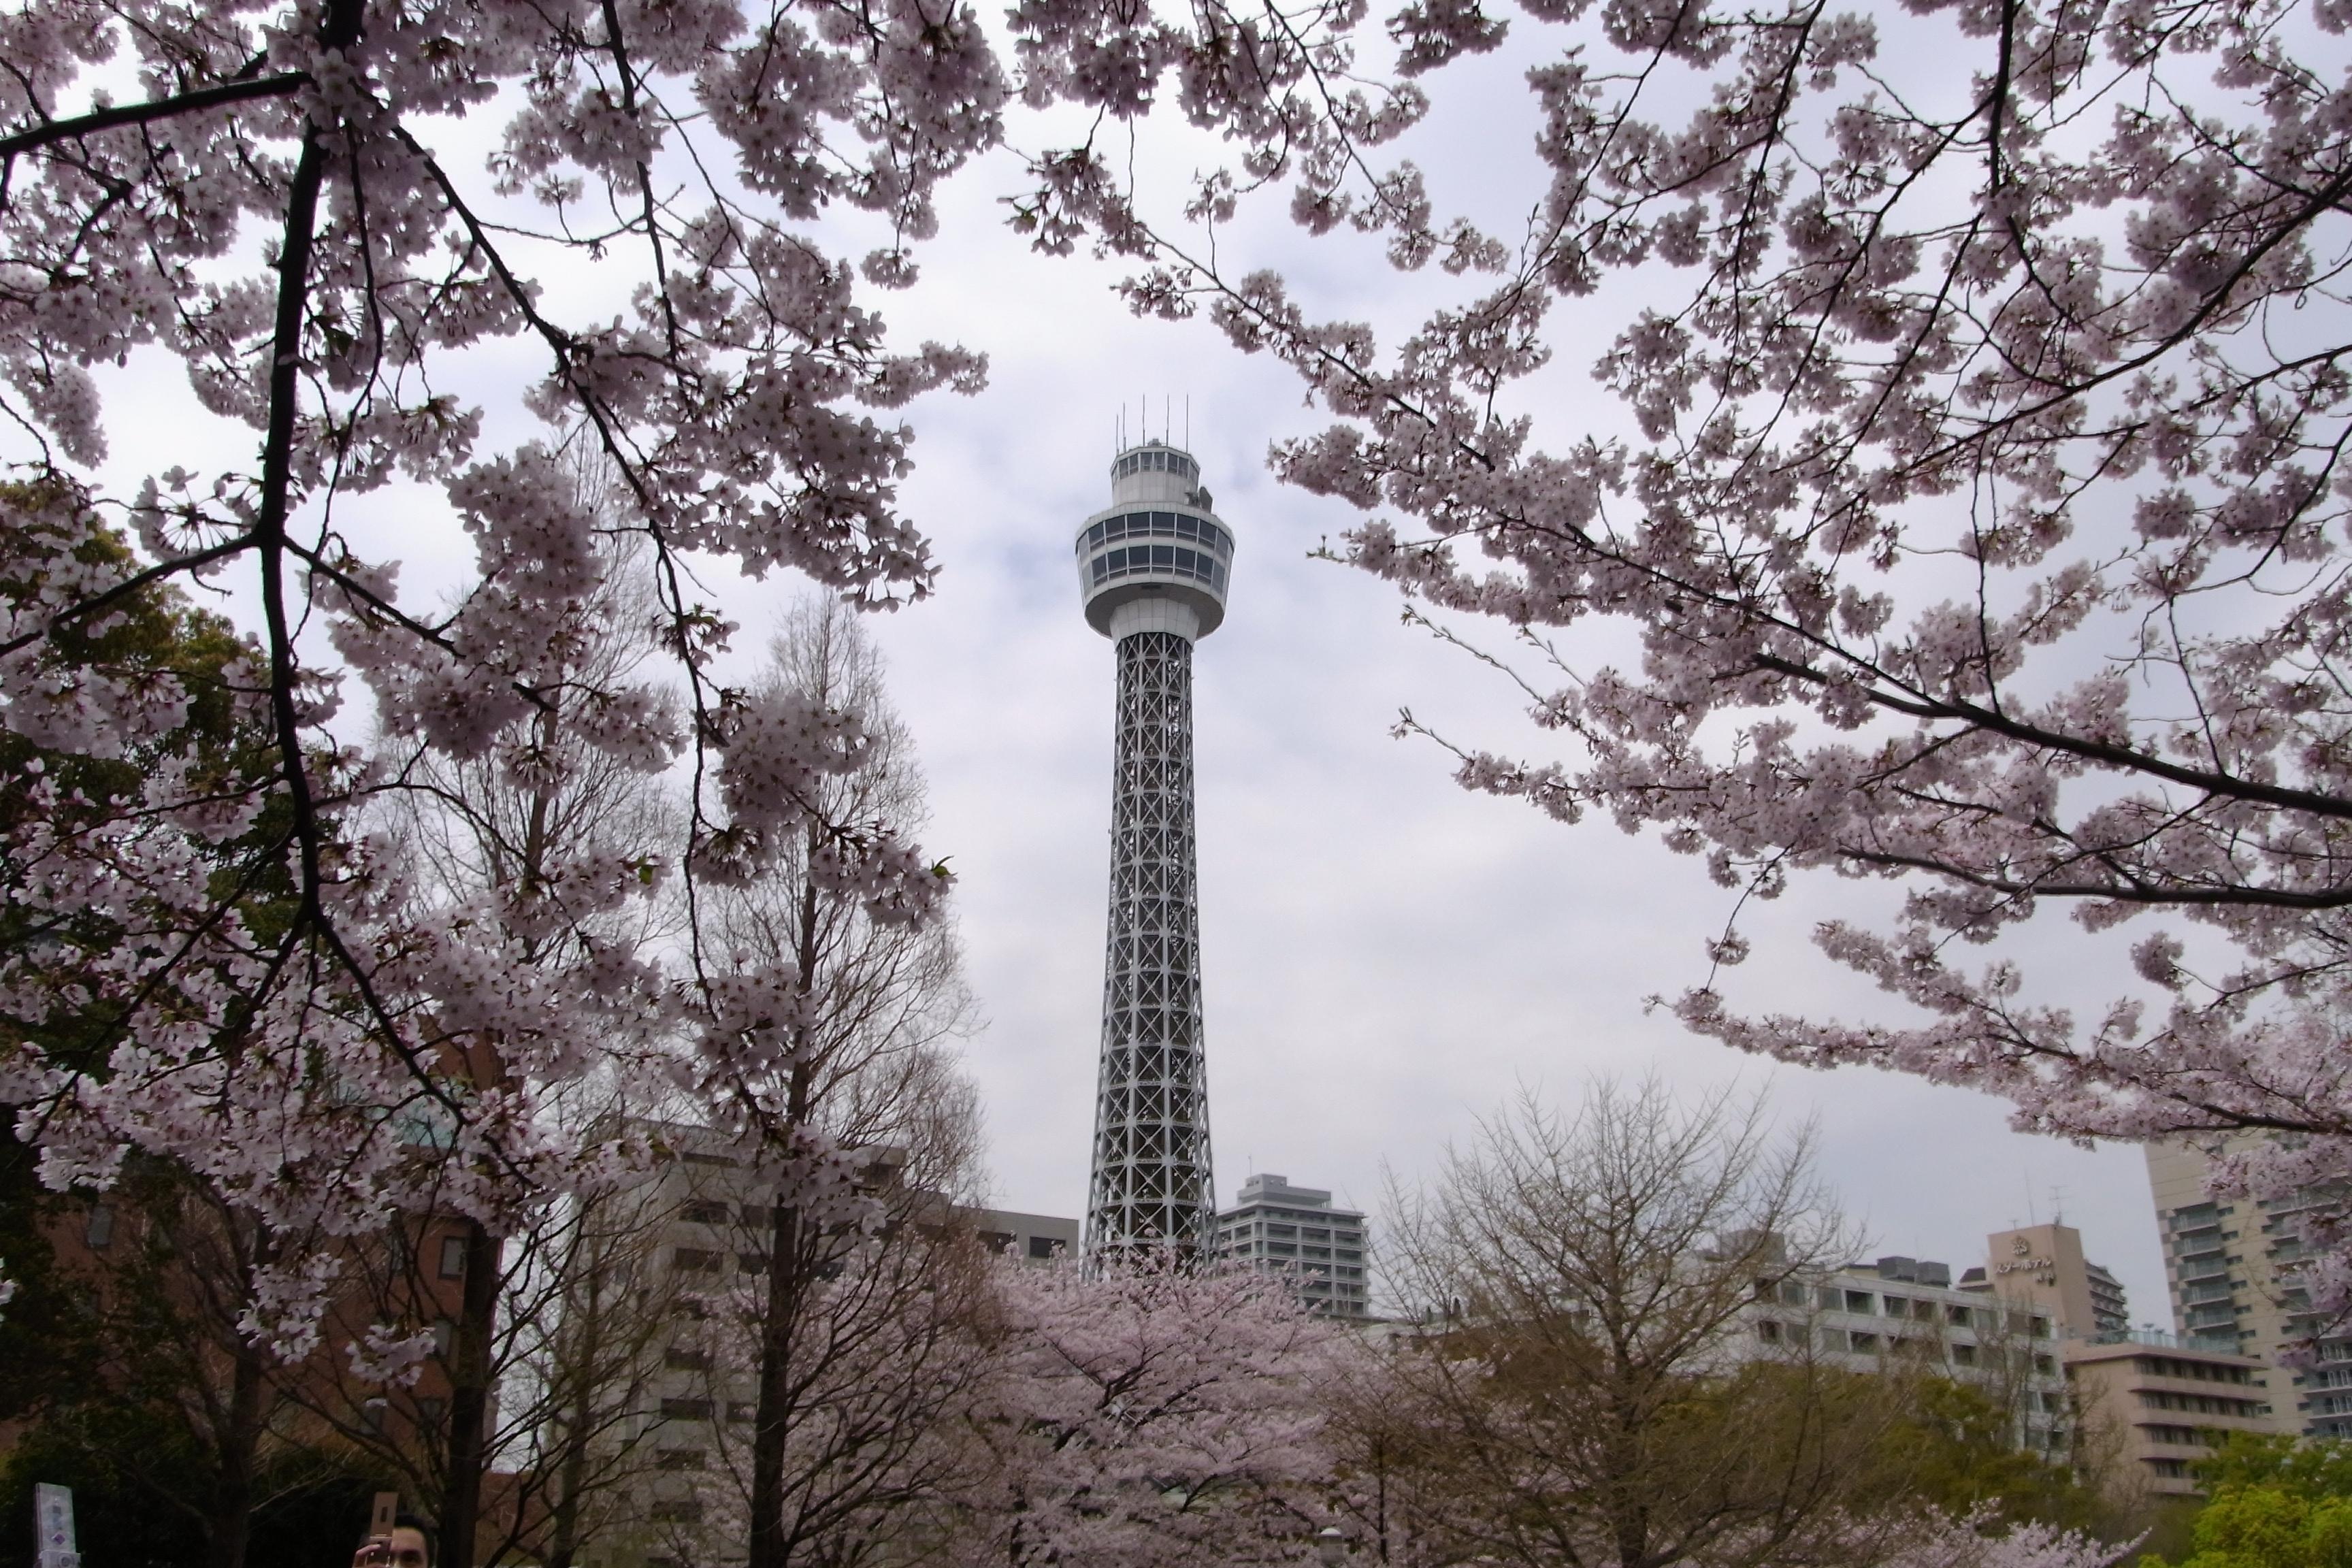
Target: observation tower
[(1152, 568)]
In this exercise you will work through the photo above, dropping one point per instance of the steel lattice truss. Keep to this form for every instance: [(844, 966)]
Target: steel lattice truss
[(1151, 1178)]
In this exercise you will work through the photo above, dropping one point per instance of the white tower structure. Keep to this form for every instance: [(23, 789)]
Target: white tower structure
[(1152, 568)]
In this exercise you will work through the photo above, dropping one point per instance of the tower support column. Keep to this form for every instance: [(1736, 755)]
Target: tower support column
[(1151, 1174)]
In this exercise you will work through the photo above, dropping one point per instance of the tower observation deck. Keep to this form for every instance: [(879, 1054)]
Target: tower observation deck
[(1152, 568)]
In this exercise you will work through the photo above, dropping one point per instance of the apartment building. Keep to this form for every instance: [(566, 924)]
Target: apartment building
[(700, 1224), (2153, 1403), (1908, 1310), (1277, 1229), (2229, 1266)]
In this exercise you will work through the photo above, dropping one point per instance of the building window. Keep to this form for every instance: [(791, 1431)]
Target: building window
[(98, 1232), (686, 1361), (686, 1409), (706, 1214), (1896, 1305), (683, 1459), (1862, 1343), (453, 1257), (1768, 1331), (753, 1262), (429, 1411), (1857, 1300), (1964, 1355), (1958, 1317), (997, 1240), (1042, 1245), (695, 1260), (2046, 1366)]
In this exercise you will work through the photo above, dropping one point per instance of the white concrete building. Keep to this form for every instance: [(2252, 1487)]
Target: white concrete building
[(1277, 1229), (1031, 1237), (1901, 1311)]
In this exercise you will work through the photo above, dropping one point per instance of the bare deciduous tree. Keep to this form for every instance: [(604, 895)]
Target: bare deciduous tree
[(888, 1353), (867, 1005), (1585, 1389)]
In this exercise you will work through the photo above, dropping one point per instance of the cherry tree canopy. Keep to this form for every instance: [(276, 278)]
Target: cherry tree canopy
[(1153, 1415), (318, 209), (1974, 519)]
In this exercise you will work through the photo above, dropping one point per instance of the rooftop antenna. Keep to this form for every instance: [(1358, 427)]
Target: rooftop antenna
[(2031, 1217), (1187, 422), (2057, 1205)]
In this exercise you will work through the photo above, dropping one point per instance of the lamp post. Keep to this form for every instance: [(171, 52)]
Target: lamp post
[(1330, 1545)]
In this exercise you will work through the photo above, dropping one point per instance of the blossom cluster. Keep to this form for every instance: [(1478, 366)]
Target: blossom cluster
[(223, 950), (1974, 505)]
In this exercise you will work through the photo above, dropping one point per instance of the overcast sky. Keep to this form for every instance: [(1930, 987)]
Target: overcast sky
[(1387, 958)]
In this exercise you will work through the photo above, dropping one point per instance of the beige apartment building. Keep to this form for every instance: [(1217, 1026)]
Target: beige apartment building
[(2147, 1404), (2043, 1264), (2151, 1404), (2230, 1264)]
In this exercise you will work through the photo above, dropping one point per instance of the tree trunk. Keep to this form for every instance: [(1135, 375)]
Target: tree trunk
[(771, 1547), (469, 1399), (228, 1523), (563, 1533)]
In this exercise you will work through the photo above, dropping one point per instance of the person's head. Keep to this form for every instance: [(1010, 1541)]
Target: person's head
[(411, 1534), (410, 1544)]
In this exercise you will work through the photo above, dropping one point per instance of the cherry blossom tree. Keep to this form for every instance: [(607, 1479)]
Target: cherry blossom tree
[(1969, 523), (1938, 1541), (323, 213), (1153, 1415), (289, 206)]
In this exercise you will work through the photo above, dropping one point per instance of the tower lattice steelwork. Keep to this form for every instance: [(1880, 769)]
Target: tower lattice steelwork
[(1152, 568)]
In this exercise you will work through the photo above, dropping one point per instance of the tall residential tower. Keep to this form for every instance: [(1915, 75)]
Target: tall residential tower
[(1152, 569)]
